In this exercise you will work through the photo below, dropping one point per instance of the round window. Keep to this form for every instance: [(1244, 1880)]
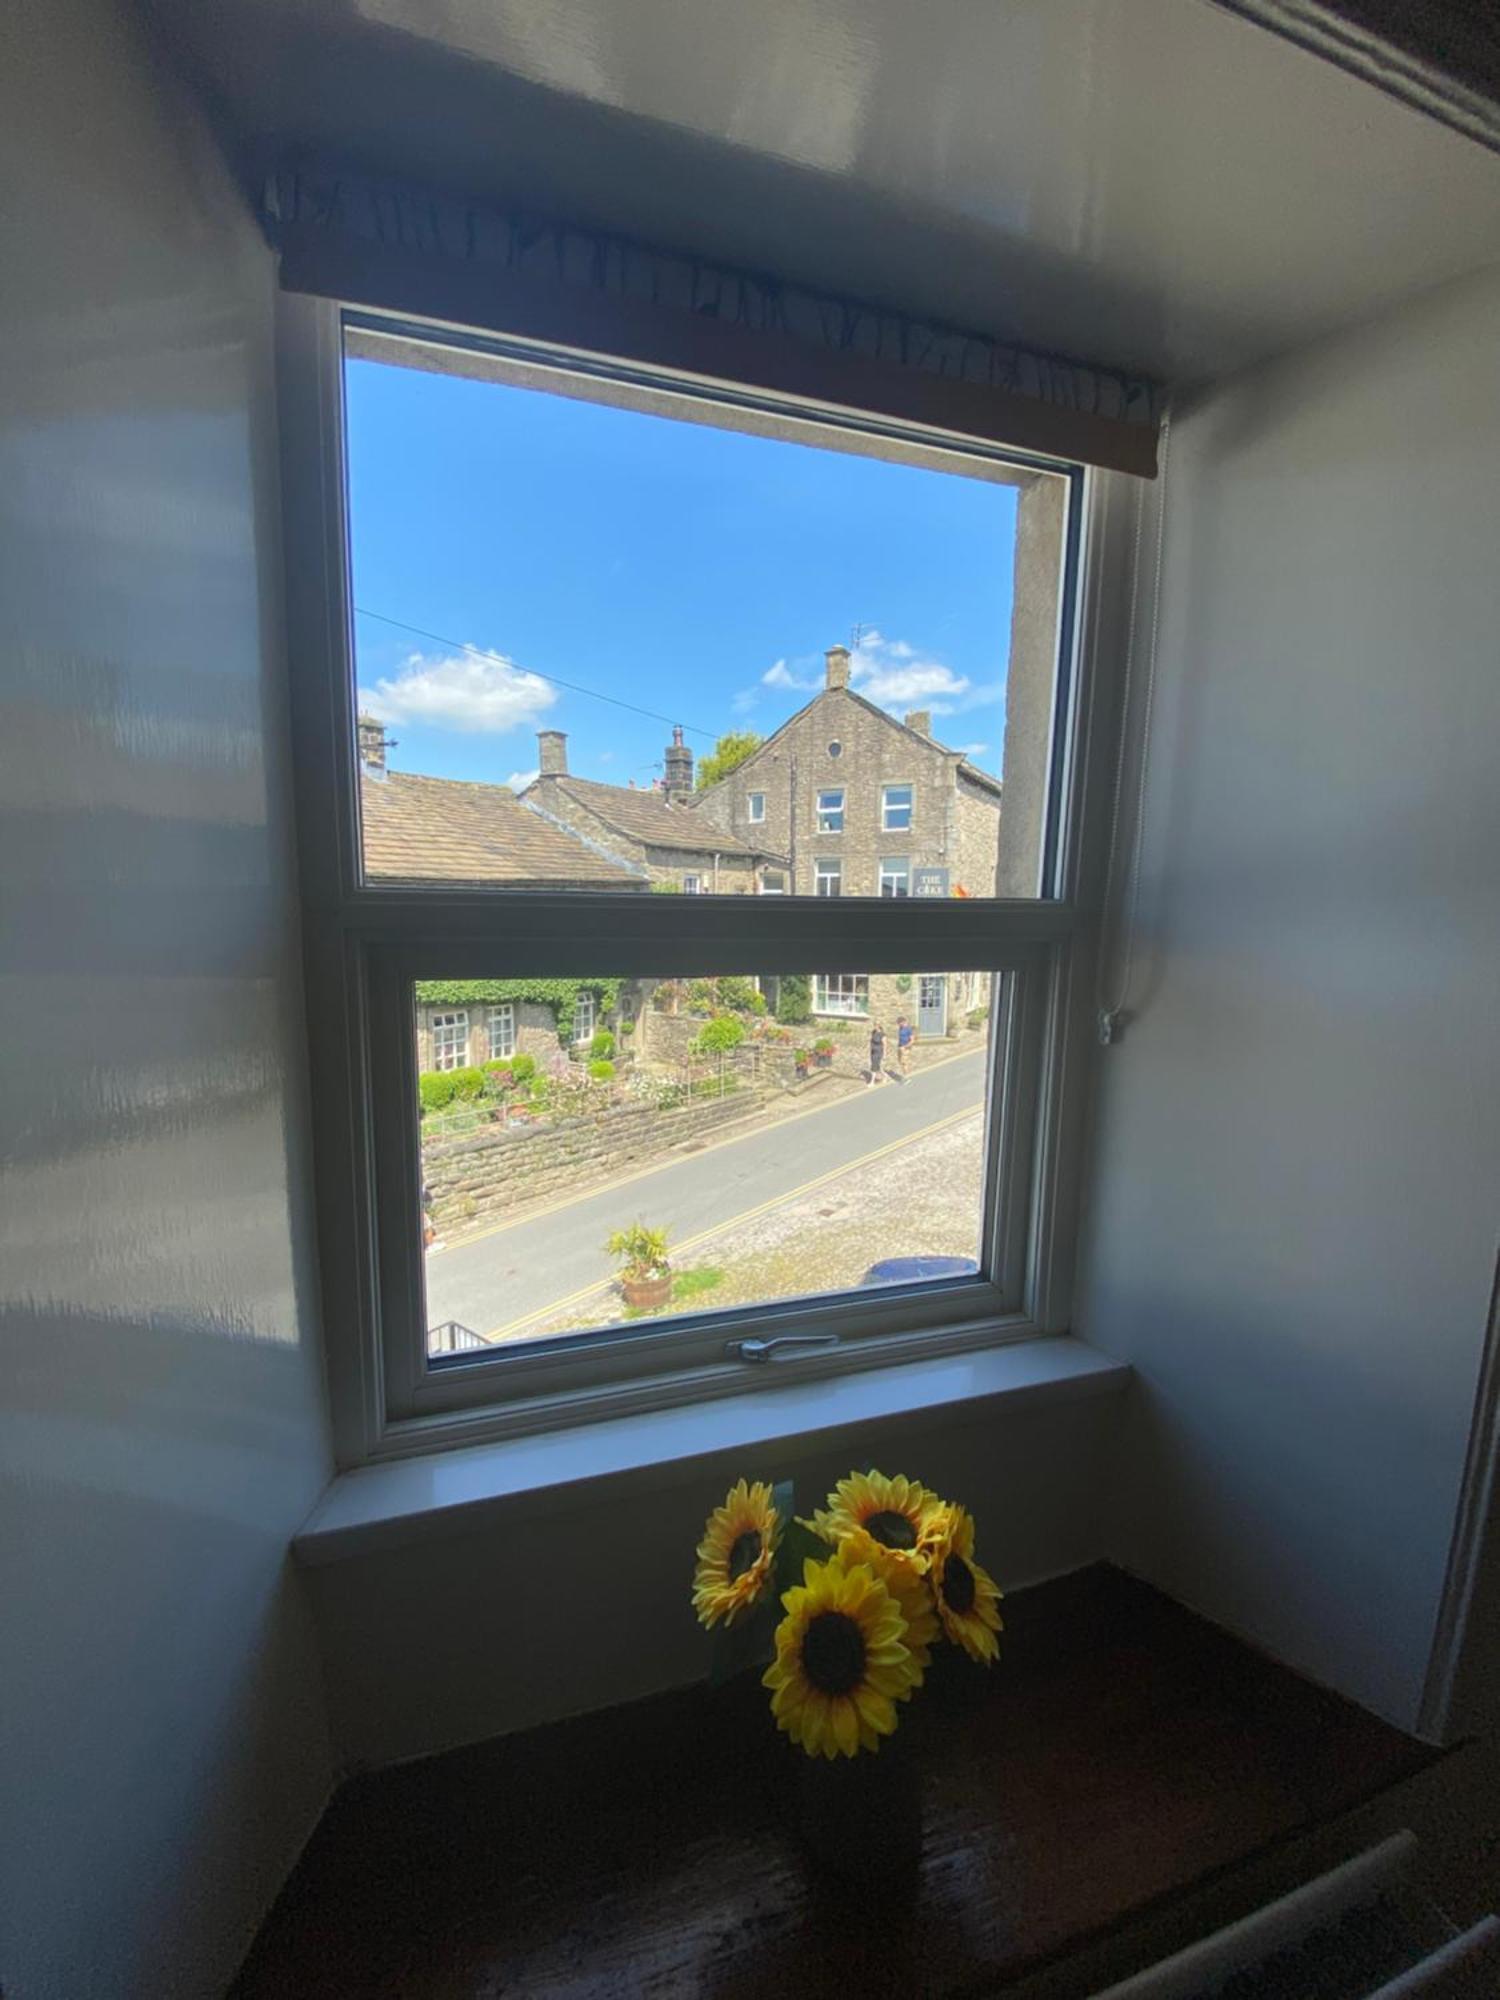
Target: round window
[(835, 748)]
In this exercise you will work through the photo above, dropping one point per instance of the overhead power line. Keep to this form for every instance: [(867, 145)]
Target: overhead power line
[(554, 680)]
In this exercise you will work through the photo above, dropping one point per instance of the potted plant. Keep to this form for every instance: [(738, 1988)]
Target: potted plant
[(646, 1270), (823, 1051), (801, 1061)]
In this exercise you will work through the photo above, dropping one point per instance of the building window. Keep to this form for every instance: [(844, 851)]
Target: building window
[(502, 1028), (463, 890), (841, 993), (895, 809), (450, 1041), (835, 748)]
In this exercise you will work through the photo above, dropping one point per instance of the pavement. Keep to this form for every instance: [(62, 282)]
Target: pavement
[(519, 1271)]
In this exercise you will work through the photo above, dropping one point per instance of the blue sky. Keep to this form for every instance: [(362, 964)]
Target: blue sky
[(696, 572)]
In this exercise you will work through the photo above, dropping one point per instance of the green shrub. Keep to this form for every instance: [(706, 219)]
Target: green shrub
[(602, 1070), (603, 1044), (794, 1001), (435, 1087), (627, 1026), (701, 997), (523, 1068), (718, 1036), (467, 1081), (976, 1017), (740, 994)]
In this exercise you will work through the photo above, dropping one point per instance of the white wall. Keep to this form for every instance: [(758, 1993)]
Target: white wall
[(162, 1744), (425, 1646), (1297, 1180)]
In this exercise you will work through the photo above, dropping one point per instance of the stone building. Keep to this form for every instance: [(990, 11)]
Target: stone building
[(860, 804), (656, 833)]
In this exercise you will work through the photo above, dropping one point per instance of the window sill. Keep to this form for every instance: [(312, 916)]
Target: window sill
[(407, 1500)]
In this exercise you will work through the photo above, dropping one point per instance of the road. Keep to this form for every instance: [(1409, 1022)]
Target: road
[(521, 1268)]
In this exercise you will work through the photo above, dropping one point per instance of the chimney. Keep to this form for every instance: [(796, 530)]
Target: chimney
[(552, 752), (920, 719), (679, 768), (836, 661), (373, 743)]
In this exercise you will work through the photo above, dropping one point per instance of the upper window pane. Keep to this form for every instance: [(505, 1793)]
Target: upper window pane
[(609, 637)]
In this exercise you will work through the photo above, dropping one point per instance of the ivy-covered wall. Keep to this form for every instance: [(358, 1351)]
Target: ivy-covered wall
[(561, 995)]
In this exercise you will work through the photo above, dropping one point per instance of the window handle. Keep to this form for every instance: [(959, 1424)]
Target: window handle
[(767, 1350)]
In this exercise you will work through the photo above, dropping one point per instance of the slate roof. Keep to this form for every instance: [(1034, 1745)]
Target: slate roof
[(420, 829), (647, 816)]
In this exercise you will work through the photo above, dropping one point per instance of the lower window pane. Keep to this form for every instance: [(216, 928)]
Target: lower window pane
[(654, 1148)]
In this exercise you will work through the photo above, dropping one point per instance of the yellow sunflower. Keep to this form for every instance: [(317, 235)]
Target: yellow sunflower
[(893, 1512), (736, 1554), (841, 1660), (966, 1595), (910, 1591)]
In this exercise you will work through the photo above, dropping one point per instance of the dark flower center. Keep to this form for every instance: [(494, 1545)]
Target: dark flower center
[(891, 1530), (744, 1554), (958, 1585), (833, 1653)]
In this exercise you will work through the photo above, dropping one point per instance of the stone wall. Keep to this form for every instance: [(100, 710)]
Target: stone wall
[(496, 1169)]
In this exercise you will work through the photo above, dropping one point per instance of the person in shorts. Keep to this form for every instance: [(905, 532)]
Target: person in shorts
[(906, 1034)]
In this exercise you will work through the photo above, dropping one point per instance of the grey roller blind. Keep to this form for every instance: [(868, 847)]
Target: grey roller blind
[(400, 248)]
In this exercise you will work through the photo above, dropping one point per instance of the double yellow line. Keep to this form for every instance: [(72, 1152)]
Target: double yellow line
[(511, 1327)]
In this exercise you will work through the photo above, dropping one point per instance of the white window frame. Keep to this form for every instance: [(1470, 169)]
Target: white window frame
[(451, 1029), (895, 868), (501, 1015), (755, 807), (764, 885), (366, 945), (843, 996), (585, 1006), (828, 868), (692, 885), (831, 818), (889, 825)]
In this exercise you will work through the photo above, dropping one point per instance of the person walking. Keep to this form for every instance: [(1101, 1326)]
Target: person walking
[(906, 1034), (877, 1054)]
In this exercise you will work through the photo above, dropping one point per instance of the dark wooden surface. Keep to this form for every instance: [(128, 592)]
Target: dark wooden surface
[(1121, 1752)]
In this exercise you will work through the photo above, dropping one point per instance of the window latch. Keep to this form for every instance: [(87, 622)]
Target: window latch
[(766, 1350)]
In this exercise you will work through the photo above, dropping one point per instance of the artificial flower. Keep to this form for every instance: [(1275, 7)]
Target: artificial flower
[(841, 1661), (893, 1512), (736, 1555), (966, 1596), (907, 1586)]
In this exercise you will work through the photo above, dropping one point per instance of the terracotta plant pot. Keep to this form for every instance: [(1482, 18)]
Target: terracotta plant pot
[(643, 1293)]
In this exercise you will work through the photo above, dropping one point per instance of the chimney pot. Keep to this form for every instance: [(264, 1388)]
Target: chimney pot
[(836, 664), (677, 779), (552, 752), (920, 719)]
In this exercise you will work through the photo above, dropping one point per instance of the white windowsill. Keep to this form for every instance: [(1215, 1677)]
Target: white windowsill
[(409, 1500)]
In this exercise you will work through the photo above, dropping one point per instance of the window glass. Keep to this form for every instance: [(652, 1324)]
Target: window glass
[(828, 877), (502, 1025), (895, 877), (564, 683), (533, 1166), (450, 1041)]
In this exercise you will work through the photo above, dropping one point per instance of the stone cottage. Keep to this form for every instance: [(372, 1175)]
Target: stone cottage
[(656, 833)]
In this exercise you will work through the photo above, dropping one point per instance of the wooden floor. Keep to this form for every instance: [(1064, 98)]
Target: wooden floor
[(1121, 1751)]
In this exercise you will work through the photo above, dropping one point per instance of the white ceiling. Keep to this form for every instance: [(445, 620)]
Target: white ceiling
[(1153, 183)]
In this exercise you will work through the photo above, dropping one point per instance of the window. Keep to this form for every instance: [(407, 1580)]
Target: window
[(841, 993), (692, 885), (755, 807), (435, 900), (450, 1041), (502, 1027), (895, 809)]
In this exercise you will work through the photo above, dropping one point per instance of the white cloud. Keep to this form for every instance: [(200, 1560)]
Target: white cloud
[(745, 700), (473, 692), (899, 675), (781, 676), (974, 749), (519, 780)]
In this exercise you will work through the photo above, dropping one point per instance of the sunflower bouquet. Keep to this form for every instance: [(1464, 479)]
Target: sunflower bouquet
[(879, 1575)]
